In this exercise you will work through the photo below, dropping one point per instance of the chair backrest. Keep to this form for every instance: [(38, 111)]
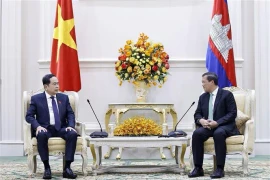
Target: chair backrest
[(73, 99), (245, 100)]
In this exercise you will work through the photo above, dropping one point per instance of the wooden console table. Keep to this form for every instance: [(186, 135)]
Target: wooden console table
[(95, 145), (119, 109)]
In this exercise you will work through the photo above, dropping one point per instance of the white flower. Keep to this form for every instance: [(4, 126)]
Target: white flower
[(138, 57), (143, 54)]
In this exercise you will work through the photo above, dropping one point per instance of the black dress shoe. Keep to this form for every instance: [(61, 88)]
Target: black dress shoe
[(197, 172), (219, 173), (69, 174), (47, 174)]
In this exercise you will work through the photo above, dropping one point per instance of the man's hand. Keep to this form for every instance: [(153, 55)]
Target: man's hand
[(204, 123), (39, 129), (70, 129), (212, 124)]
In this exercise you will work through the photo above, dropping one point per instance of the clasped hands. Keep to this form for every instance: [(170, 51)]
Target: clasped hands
[(40, 128), (209, 124)]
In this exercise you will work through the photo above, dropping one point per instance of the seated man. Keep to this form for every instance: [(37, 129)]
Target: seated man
[(51, 115), (215, 116)]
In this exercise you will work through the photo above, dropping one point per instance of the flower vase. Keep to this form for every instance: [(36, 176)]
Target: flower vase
[(141, 90)]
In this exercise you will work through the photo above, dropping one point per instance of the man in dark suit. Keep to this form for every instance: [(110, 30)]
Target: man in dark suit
[(215, 117), (51, 115)]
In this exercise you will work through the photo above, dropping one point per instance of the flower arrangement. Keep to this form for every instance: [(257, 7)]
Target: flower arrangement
[(142, 61), (138, 126)]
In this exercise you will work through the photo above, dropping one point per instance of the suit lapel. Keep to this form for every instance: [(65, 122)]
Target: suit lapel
[(217, 100), (45, 103)]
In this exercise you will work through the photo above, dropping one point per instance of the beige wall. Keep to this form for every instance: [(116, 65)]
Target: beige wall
[(102, 27)]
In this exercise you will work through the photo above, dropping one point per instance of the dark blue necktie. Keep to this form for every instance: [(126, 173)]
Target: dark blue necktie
[(56, 115)]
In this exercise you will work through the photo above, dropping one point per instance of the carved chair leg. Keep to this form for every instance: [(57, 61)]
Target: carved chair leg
[(245, 163), (30, 162), (84, 162), (214, 162), (35, 163), (191, 162)]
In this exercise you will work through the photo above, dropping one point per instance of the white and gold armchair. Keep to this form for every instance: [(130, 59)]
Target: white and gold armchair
[(56, 144), (243, 143)]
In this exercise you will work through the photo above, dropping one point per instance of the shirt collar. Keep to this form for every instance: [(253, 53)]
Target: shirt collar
[(215, 91), (49, 96)]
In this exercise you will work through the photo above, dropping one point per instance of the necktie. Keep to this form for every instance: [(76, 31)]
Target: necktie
[(56, 115), (210, 107)]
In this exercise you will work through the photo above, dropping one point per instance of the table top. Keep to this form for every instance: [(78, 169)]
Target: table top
[(139, 138), (154, 103), (145, 141)]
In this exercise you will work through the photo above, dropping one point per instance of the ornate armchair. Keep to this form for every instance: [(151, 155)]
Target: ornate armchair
[(56, 145), (243, 143)]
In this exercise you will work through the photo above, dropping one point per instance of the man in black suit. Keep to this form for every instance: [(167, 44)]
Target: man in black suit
[(51, 115), (215, 117)]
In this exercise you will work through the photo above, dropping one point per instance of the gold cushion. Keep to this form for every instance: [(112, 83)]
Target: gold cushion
[(239, 139), (56, 141), (240, 121), (230, 148)]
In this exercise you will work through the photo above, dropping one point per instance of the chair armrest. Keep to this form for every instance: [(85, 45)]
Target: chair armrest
[(249, 136), (27, 137), (80, 128)]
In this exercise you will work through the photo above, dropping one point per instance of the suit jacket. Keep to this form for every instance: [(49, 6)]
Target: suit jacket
[(224, 112), (38, 112)]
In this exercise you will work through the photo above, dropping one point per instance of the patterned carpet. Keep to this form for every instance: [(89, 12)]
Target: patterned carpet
[(16, 168)]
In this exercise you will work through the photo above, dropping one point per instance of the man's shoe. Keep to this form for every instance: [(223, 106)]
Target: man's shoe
[(69, 174), (197, 172), (219, 173), (47, 174)]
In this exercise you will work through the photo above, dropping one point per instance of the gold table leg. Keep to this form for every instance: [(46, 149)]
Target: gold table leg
[(179, 158), (182, 164), (118, 157), (108, 154), (92, 149), (107, 118)]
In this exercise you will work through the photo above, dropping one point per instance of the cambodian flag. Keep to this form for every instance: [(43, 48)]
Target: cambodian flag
[(219, 57)]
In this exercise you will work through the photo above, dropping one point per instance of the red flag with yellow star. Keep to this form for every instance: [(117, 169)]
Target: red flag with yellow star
[(64, 60)]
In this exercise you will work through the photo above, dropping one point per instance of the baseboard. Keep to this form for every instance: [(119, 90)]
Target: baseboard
[(262, 147), (11, 148)]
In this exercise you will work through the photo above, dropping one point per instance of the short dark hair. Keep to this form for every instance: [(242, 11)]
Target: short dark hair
[(46, 79), (211, 77)]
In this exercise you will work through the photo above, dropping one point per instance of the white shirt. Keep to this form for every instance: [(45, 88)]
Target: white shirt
[(214, 96), (49, 102)]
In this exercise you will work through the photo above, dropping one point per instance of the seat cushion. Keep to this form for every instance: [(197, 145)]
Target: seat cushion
[(210, 149), (56, 141), (232, 140)]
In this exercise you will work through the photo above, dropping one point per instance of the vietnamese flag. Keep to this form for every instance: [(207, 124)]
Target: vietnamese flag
[(64, 60)]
